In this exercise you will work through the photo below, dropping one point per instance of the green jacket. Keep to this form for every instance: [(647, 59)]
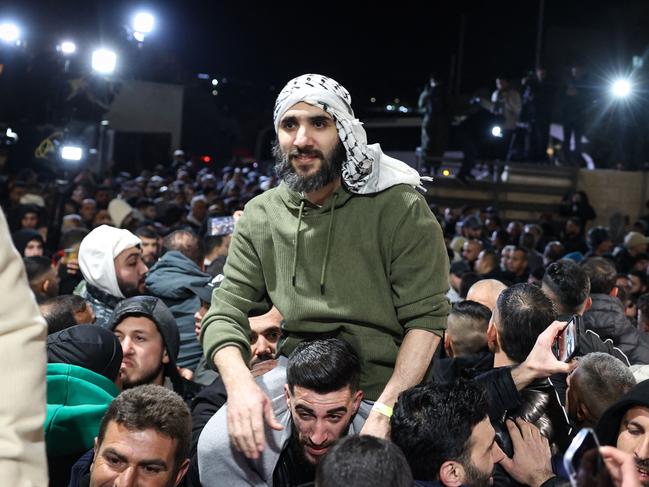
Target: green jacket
[(77, 399), (362, 268)]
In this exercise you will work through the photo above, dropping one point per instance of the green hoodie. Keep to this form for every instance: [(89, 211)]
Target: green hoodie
[(77, 399), (364, 268)]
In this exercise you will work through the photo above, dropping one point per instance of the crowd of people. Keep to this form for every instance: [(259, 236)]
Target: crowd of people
[(324, 325)]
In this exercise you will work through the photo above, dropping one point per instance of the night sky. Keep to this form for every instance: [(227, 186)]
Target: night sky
[(370, 49)]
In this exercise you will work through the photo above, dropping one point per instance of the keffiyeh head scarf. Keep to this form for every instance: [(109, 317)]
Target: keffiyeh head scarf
[(367, 169)]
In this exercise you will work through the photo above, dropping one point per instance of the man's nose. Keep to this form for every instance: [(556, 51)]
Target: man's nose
[(127, 478), (302, 137), (319, 434), (263, 346)]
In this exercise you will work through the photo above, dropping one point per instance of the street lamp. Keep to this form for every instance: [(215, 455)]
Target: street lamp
[(71, 153), (104, 61), (68, 48)]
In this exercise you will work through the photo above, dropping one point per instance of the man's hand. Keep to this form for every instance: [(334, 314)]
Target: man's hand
[(248, 407), (531, 464), (378, 425), (72, 266), (621, 466), (185, 373), (541, 362)]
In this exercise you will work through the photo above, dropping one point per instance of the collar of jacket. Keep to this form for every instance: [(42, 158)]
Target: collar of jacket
[(101, 296), (293, 199)]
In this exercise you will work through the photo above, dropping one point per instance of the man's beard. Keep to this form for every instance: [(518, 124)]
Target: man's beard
[(330, 168), (642, 464), (128, 290), (475, 477), (299, 445), (146, 379)]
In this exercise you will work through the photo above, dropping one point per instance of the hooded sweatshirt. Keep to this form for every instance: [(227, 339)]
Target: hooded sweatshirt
[(608, 427), (363, 268), (171, 280), (97, 254)]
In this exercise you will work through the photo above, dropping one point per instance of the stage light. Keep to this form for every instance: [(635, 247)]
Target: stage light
[(67, 48), (138, 36), (143, 23), (215, 82), (621, 88), (496, 131), (71, 153), (446, 172), (104, 61), (9, 33), (206, 159)]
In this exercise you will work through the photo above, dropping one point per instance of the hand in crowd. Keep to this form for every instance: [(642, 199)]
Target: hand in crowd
[(531, 464), (621, 466), (541, 362), (185, 373), (248, 408), (377, 424), (72, 266)]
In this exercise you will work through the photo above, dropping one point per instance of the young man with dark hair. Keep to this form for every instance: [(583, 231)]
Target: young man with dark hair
[(466, 331), (445, 433), (364, 461), (171, 279), (150, 244), (145, 434), (517, 266), (321, 399), (65, 311), (43, 280), (607, 316)]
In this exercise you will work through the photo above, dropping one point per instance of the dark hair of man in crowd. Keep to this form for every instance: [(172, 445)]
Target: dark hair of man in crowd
[(323, 366), (553, 251), (569, 285), (211, 242), (72, 237), (524, 312), (526, 241), (59, 311), (146, 231), (468, 279), (432, 423), (467, 326), (601, 273), (364, 461), (187, 243), (152, 407), (36, 266)]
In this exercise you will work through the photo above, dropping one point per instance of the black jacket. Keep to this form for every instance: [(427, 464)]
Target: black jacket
[(606, 318)]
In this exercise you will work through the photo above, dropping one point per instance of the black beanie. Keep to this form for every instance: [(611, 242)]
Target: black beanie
[(88, 346)]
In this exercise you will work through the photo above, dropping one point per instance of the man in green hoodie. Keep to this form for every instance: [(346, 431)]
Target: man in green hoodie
[(345, 247)]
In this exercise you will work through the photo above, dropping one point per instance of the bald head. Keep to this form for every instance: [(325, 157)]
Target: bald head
[(486, 292)]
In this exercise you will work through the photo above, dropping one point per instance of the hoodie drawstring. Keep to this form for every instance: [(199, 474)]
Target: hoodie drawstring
[(326, 255), (297, 241)]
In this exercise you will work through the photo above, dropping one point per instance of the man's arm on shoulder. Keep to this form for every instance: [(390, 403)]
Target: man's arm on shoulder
[(418, 274)]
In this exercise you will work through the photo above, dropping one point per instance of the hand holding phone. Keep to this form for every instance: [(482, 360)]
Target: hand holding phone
[(584, 462), (566, 343)]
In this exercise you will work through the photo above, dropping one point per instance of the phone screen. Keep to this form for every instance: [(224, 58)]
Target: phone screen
[(220, 225), (566, 342), (585, 463)]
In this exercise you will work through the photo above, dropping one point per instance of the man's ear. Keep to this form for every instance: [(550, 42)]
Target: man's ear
[(492, 336), (589, 303), (356, 400), (287, 395), (165, 356), (451, 474), (45, 285), (614, 292), (181, 472), (448, 346)]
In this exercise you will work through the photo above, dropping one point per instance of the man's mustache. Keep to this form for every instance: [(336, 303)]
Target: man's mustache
[(306, 152)]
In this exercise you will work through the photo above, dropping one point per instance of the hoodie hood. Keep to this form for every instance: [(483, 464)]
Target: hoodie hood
[(172, 277), (154, 309), (77, 399), (608, 426), (97, 254), (89, 346), (22, 237)]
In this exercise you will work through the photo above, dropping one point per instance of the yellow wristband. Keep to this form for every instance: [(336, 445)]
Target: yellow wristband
[(381, 408)]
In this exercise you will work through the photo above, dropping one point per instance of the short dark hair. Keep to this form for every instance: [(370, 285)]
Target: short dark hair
[(146, 231), (568, 282), (152, 407), (553, 251), (323, 366), (601, 273), (467, 326), (211, 242), (432, 423), (187, 243), (58, 311), (36, 266), (72, 237), (640, 275), (524, 312), (364, 461)]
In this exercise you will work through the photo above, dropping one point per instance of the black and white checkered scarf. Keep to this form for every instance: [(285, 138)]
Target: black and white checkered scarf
[(367, 169)]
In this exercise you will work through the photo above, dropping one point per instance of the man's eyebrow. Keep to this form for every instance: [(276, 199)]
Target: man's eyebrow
[(320, 118), (632, 422), (304, 409), (153, 462), (112, 451), (341, 409)]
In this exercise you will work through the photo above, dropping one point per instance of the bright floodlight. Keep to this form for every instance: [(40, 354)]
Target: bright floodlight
[(138, 36), (104, 61), (71, 153), (143, 22), (621, 88), (496, 131), (9, 32), (68, 47)]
